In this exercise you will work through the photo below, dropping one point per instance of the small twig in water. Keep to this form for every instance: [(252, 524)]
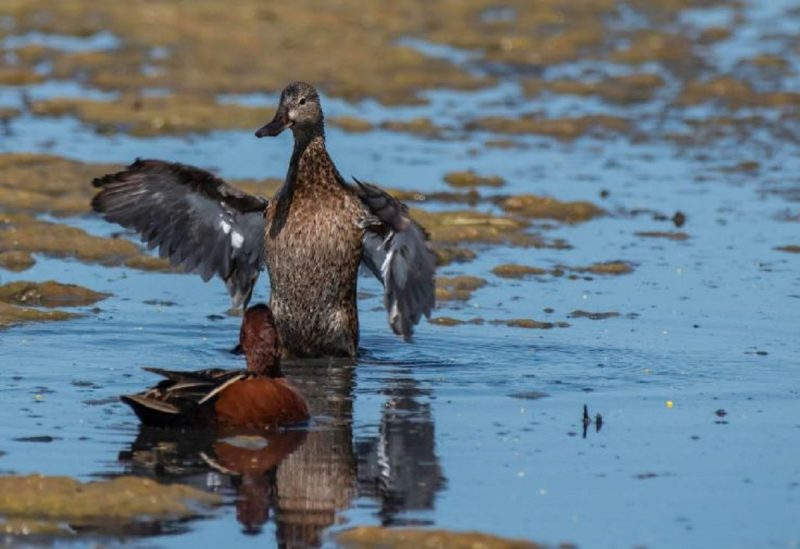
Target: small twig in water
[(587, 420)]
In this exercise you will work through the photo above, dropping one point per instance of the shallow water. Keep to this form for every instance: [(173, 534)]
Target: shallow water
[(470, 427)]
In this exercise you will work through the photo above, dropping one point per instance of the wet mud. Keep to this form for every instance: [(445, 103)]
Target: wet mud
[(362, 538), (20, 301), (470, 179), (49, 294), (36, 505), (16, 261), (457, 288), (12, 315), (148, 116)]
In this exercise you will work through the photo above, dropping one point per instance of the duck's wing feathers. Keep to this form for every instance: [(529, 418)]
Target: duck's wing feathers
[(181, 397), (193, 217), (396, 250)]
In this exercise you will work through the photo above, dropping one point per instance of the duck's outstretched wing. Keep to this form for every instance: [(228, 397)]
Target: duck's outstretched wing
[(194, 218), (396, 250)]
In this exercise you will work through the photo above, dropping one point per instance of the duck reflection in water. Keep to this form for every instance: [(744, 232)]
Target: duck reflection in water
[(304, 478), (399, 467)]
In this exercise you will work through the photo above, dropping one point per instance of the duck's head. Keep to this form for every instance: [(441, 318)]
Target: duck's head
[(299, 109), (258, 338)]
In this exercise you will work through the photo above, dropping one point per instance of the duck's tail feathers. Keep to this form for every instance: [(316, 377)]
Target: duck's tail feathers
[(153, 412)]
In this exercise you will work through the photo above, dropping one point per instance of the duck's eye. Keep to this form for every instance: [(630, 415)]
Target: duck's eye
[(302, 101)]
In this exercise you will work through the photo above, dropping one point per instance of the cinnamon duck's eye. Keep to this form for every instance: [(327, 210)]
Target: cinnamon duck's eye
[(302, 101)]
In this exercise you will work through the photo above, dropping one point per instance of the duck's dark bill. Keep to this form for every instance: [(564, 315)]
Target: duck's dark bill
[(278, 124)]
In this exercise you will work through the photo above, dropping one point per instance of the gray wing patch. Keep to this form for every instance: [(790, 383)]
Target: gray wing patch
[(396, 251), (195, 219)]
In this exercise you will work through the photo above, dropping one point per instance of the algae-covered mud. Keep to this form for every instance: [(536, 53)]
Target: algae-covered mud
[(36, 505), (612, 192)]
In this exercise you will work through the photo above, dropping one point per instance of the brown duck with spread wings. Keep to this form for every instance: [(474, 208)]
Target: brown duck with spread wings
[(312, 236)]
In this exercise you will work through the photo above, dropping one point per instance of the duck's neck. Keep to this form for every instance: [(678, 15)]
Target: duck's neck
[(264, 363), (311, 149), (309, 157), (313, 136)]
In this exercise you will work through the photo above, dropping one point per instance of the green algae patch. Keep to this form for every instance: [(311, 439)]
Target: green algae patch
[(273, 44), (541, 33), (503, 144), (12, 315), (457, 288), (768, 61), (746, 166), (726, 89), (421, 126), (14, 76), (593, 315), (160, 115), (365, 537), (16, 261), (46, 183), (445, 255), (44, 502), (7, 113), (457, 227), (17, 299), (512, 270), (633, 88), (605, 268), (450, 321), (23, 233), (712, 35), (564, 129), (150, 263), (351, 124), (654, 45), (792, 249), (735, 94), (530, 324), (668, 235), (191, 51), (32, 527), (542, 207), (703, 131), (49, 294), (470, 179), (471, 196)]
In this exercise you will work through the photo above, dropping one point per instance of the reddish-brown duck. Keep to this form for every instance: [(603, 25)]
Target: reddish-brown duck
[(257, 397)]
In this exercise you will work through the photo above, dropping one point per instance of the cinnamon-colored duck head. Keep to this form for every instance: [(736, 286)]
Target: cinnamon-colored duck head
[(259, 342), (259, 397)]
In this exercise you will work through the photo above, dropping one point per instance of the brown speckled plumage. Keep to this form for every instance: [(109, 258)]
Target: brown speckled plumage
[(314, 286), (312, 236)]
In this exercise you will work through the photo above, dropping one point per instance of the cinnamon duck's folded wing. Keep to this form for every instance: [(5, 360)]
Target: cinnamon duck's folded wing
[(182, 398), (235, 398)]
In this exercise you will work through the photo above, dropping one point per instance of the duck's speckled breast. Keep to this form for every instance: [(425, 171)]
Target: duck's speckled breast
[(313, 249)]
